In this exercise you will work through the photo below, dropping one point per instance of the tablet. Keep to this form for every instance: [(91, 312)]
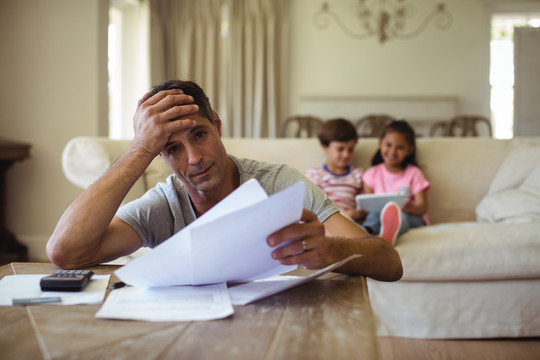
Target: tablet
[(375, 202)]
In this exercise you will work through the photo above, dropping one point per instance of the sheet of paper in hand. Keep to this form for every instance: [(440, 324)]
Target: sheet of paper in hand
[(228, 243)]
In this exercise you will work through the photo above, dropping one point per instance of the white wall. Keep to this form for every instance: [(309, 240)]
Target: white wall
[(53, 88), (51, 91), (454, 62)]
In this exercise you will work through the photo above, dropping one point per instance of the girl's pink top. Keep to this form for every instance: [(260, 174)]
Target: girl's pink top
[(383, 181)]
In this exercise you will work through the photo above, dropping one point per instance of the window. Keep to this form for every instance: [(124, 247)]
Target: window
[(127, 64)]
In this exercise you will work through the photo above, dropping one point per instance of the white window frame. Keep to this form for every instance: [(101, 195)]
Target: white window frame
[(128, 63)]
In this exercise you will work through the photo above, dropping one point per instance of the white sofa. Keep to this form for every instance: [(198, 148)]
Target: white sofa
[(467, 275)]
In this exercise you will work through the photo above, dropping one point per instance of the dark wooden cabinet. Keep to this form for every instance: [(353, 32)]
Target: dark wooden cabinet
[(10, 248)]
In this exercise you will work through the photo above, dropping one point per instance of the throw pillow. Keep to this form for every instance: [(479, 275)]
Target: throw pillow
[(509, 206), (514, 205), (532, 182), (84, 160), (515, 168)]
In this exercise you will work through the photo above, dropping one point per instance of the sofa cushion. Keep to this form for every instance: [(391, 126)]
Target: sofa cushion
[(514, 194), (532, 182), (515, 168), (157, 171), (470, 251), (509, 206)]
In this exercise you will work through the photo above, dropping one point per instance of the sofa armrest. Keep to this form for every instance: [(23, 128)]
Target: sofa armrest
[(86, 158)]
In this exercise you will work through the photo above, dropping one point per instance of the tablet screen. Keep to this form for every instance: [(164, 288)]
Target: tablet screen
[(375, 202)]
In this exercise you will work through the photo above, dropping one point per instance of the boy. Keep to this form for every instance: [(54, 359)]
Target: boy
[(336, 177)]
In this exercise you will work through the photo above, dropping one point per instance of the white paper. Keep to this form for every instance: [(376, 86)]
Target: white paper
[(27, 286), (228, 243), (246, 293), (249, 292), (171, 303)]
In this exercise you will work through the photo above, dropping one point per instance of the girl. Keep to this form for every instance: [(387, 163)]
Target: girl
[(394, 167)]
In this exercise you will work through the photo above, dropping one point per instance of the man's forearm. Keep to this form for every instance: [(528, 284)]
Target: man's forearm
[(379, 259), (78, 236)]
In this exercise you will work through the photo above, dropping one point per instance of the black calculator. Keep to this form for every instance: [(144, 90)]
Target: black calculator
[(66, 280)]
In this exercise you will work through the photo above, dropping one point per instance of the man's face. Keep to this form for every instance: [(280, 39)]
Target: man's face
[(197, 155)]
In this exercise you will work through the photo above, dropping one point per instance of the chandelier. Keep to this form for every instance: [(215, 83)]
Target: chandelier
[(384, 19)]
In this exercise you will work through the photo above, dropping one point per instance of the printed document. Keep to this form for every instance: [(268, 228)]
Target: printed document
[(171, 303), (228, 243), (252, 291)]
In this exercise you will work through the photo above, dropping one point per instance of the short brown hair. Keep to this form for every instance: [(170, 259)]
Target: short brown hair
[(337, 130)]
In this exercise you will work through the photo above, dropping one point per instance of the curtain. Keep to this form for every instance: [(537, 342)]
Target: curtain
[(237, 50)]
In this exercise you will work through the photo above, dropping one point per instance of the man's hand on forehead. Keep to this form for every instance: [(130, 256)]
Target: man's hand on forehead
[(160, 115), (171, 103), (169, 106), (158, 96)]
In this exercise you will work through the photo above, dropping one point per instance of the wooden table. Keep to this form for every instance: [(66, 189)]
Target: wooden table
[(10, 248), (327, 318)]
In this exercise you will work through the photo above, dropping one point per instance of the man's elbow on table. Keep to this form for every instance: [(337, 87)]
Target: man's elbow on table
[(54, 254), (59, 255), (392, 268)]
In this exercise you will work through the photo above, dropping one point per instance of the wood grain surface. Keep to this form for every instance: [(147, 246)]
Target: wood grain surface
[(328, 318)]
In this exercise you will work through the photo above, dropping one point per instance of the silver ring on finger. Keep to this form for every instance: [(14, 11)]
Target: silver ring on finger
[(304, 245)]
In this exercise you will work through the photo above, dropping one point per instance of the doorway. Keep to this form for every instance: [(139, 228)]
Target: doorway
[(501, 74)]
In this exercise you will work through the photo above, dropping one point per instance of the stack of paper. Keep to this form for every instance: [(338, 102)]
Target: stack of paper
[(227, 244), (169, 303)]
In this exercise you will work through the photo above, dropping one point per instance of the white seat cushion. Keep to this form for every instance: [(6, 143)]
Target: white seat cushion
[(470, 251)]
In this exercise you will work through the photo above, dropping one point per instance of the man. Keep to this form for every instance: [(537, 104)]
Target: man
[(175, 121)]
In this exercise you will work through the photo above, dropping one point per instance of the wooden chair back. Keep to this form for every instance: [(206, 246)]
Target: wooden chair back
[(468, 125), (300, 126), (462, 126), (372, 125)]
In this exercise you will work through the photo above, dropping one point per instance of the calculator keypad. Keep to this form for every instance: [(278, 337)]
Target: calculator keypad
[(66, 280)]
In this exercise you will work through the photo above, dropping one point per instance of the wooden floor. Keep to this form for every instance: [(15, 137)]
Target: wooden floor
[(495, 349)]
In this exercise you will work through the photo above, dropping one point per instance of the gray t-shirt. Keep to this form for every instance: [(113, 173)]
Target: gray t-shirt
[(166, 209)]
